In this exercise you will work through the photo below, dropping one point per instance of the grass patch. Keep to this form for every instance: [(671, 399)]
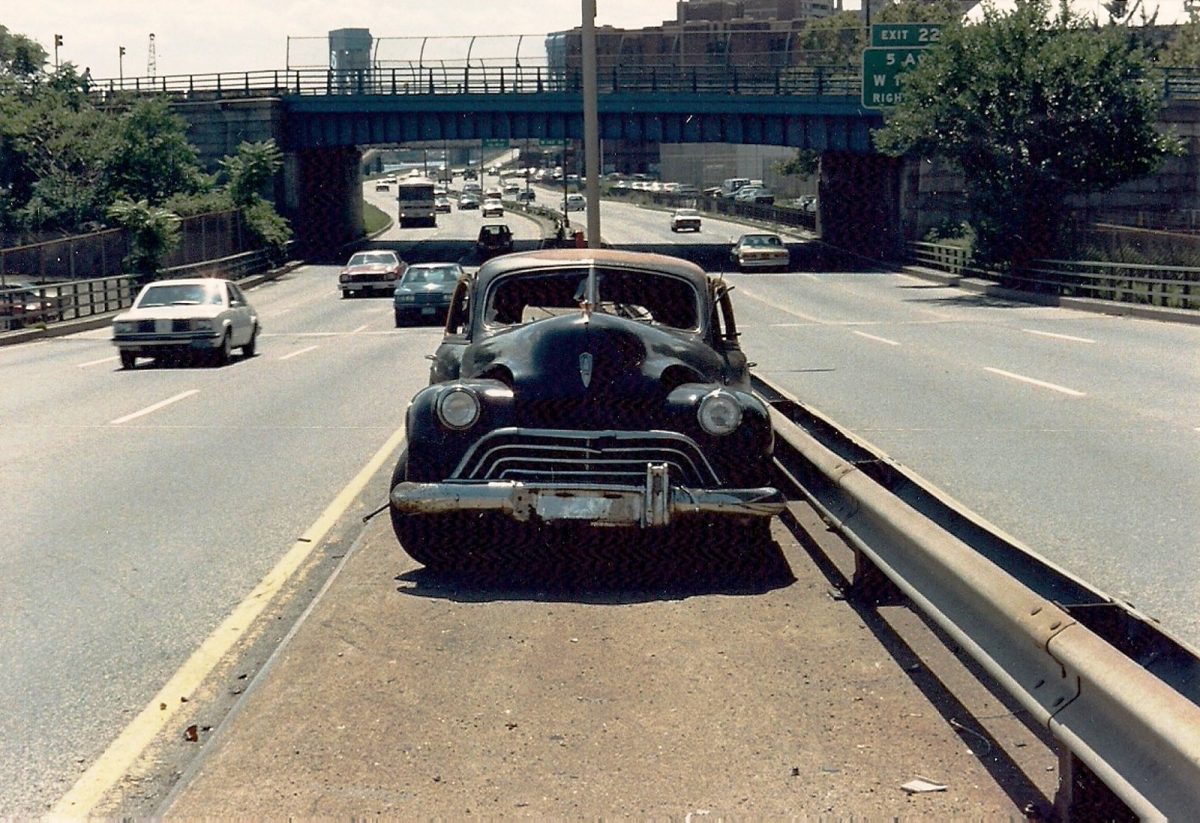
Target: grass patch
[(375, 219)]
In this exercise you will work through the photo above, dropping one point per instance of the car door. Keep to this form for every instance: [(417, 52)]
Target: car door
[(241, 315)]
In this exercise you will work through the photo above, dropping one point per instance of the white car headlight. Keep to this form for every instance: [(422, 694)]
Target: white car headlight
[(202, 325), (719, 413), (458, 408), (125, 327)]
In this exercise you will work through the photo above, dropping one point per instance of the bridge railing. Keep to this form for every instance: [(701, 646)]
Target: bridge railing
[(445, 77), (415, 78)]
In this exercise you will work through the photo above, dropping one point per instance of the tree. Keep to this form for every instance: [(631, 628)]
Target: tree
[(150, 158), (804, 165), (249, 171), (153, 232), (1031, 108)]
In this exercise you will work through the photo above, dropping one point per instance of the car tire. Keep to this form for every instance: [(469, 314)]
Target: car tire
[(249, 349), (401, 321), (436, 541), (128, 359), (345, 294), (223, 353)]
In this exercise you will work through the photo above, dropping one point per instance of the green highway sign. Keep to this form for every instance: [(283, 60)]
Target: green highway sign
[(883, 70), (552, 142), (911, 35), (495, 142)]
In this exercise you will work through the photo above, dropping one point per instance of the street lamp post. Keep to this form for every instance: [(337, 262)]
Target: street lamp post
[(121, 65)]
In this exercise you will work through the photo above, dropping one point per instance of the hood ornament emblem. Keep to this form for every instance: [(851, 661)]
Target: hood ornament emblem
[(585, 368)]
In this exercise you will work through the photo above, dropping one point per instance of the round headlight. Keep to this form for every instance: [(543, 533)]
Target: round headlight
[(458, 408), (719, 413)]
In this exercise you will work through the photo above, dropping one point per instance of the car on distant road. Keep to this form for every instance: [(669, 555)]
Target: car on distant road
[(494, 238), (754, 194), (492, 207), (526, 196), (687, 190), (442, 205), (575, 202), (196, 316), (23, 303), (382, 186), (584, 391), (370, 271), (760, 251), (467, 201), (685, 220), (423, 293)]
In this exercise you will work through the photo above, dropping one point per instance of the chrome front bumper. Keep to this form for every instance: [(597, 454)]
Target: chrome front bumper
[(655, 504)]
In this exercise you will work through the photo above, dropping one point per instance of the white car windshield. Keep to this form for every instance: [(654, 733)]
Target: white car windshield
[(190, 294)]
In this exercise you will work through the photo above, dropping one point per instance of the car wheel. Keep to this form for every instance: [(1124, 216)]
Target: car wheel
[(222, 353), (345, 293), (400, 321), (433, 540), (128, 359), (249, 349)]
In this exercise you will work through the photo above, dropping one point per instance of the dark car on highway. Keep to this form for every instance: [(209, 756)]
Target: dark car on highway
[(583, 388), (494, 238), (424, 292)]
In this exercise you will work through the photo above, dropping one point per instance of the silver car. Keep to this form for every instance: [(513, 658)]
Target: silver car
[(204, 316)]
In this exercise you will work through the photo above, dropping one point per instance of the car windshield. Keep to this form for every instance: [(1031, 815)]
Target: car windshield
[(372, 259), (186, 294), (687, 213), (761, 240), (432, 274), (647, 296)]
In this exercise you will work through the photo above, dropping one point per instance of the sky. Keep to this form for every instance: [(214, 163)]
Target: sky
[(204, 36)]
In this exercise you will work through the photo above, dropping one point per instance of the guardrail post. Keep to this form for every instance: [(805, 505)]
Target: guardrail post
[(218, 85), (246, 80), (616, 85), (329, 81), (502, 79), (275, 80), (393, 79), (466, 79), (297, 81), (540, 88), (778, 73), (431, 81)]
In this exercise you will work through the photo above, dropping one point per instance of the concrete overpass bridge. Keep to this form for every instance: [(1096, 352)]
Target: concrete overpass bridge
[(324, 118)]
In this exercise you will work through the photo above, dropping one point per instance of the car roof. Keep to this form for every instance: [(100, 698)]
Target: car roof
[(436, 265), (187, 281), (612, 258)]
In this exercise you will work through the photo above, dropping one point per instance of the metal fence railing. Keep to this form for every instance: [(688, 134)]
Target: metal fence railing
[(1147, 284), (462, 77), (39, 305), (779, 215)]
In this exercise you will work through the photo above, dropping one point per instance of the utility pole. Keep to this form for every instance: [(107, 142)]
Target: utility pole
[(121, 65), (58, 41), (151, 59), (591, 125)]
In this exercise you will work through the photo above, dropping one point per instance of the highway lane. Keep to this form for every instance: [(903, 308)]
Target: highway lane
[(148, 503), (1077, 433)]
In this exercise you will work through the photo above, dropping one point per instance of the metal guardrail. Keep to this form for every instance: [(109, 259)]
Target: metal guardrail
[(1168, 286), (42, 304), (779, 215), (1119, 695)]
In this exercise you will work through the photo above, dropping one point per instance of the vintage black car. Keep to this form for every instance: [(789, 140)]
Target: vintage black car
[(582, 387)]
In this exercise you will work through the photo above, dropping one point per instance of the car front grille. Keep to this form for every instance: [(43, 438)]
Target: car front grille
[(584, 457)]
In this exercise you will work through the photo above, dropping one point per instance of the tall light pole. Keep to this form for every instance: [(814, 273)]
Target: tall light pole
[(121, 65), (591, 125)]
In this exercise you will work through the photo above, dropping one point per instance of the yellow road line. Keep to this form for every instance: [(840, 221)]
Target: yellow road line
[(123, 752)]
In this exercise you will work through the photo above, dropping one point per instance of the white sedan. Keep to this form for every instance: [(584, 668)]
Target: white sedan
[(760, 251), (685, 219), (206, 316)]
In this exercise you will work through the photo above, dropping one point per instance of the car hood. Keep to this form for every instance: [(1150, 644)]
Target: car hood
[(373, 267), (598, 356), (191, 312)]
